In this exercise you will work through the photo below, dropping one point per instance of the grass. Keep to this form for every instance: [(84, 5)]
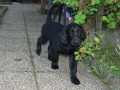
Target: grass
[(110, 55), (105, 61)]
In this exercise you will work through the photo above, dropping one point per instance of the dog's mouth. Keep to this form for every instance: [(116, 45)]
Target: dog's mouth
[(75, 44)]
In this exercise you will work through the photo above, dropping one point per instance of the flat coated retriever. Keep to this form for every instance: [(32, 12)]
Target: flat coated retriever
[(63, 40)]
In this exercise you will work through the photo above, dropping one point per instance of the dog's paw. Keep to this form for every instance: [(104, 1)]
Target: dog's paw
[(75, 80), (55, 67)]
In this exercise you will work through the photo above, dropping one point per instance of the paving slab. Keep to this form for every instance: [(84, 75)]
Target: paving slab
[(15, 61), (14, 27), (34, 28), (12, 17), (13, 44), (21, 68), (12, 34), (61, 81), (17, 81)]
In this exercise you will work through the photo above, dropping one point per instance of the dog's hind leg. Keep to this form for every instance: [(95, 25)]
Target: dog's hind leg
[(73, 70), (40, 41)]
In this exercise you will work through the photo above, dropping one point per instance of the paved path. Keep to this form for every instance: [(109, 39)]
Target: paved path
[(21, 68)]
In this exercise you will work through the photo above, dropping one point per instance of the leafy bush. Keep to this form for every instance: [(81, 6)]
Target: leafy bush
[(89, 8)]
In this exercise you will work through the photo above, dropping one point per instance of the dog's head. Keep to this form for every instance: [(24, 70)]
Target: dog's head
[(73, 34)]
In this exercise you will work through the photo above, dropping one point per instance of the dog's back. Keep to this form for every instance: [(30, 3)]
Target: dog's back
[(51, 29)]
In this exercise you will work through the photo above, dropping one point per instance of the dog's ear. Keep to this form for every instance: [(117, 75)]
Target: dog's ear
[(64, 36), (83, 33)]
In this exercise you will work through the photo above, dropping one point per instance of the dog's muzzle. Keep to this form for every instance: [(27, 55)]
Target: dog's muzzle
[(75, 42)]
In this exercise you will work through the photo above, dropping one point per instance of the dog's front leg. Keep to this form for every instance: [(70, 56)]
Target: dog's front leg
[(49, 52), (73, 70), (55, 57)]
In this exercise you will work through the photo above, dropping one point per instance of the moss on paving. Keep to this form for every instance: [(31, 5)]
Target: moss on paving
[(3, 9)]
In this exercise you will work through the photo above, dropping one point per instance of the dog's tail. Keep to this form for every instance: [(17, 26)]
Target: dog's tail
[(52, 10), (49, 18)]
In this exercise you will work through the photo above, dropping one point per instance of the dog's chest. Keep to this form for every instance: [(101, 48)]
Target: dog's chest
[(66, 50)]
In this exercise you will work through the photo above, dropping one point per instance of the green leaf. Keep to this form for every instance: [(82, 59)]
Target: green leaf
[(115, 9), (94, 70), (76, 16), (93, 9), (112, 25), (118, 5), (83, 16), (104, 18), (76, 53), (118, 15), (86, 11), (111, 15), (97, 1), (76, 21), (108, 2), (77, 57), (96, 40), (81, 21), (93, 2)]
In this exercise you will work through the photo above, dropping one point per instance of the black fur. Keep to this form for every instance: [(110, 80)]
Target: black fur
[(63, 40)]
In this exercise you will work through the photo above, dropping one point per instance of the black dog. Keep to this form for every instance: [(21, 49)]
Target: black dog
[(63, 40)]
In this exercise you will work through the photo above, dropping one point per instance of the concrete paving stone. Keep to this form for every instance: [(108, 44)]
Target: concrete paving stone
[(15, 61), (12, 34), (33, 20), (13, 18), (12, 11), (31, 12), (15, 7), (34, 28), (43, 18), (33, 17), (61, 81), (17, 81), (43, 64), (34, 35), (37, 18), (13, 44), (33, 43), (17, 27), (33, 24), (9, 12), (13, 22)]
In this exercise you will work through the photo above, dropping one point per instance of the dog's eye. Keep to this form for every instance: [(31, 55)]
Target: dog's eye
[(78, 31)]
